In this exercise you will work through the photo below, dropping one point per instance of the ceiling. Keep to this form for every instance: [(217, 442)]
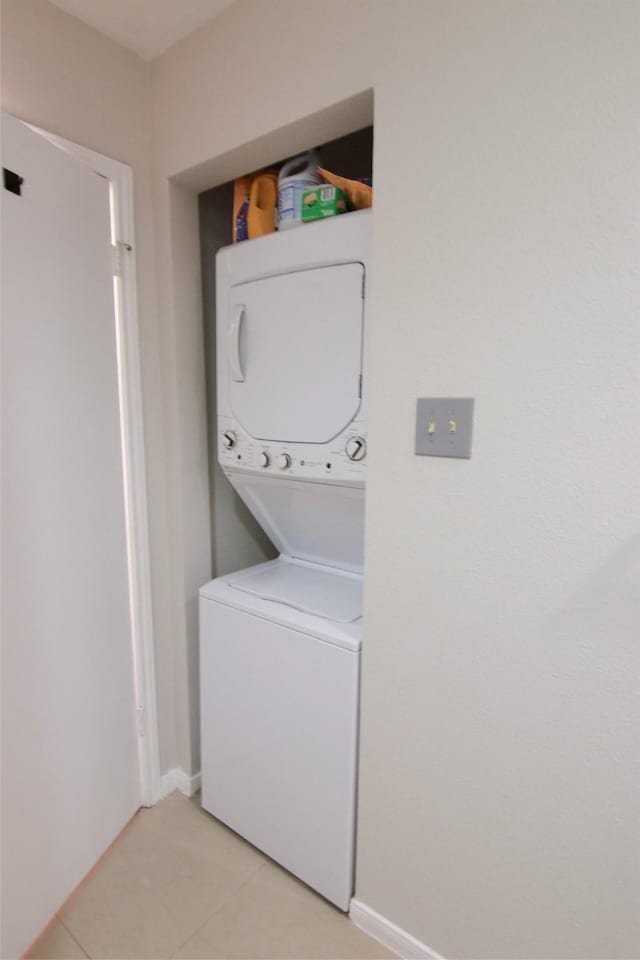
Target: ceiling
[(148, 27)]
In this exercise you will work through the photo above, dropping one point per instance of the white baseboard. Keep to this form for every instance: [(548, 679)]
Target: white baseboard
[(177, 779), (389, 935)]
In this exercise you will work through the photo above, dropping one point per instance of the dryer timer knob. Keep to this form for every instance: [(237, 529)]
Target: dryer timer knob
[(263, 459), (356, 448), (228, 439), (284, 461)]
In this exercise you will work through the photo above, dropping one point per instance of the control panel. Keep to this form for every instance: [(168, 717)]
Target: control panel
[(343, 458)]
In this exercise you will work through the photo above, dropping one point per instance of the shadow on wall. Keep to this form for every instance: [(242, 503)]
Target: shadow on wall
[(611, 591), (237, 540)]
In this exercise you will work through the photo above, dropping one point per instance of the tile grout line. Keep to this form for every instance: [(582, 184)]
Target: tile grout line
[(221, 905), (72, 935), (229, 897)]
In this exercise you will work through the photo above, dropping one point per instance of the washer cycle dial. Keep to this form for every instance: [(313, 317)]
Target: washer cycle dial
[(228, 439), (284, 461), (356, 448), (263, 460)]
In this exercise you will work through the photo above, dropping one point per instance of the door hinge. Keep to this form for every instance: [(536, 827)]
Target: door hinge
[(141, 720), (12, 181), (118, 249)]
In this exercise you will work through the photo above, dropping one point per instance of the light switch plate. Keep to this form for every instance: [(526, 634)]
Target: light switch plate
[(444, 427)]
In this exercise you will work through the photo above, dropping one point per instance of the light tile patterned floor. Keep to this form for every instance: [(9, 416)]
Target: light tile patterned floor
[(178, 883)]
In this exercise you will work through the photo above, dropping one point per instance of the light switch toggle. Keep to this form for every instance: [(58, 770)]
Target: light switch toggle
[(444, 426)]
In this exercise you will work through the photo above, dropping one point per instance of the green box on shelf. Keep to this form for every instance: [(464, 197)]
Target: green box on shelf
[(322, 201)]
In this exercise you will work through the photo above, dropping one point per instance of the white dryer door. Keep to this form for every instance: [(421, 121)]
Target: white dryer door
[(295, 353)]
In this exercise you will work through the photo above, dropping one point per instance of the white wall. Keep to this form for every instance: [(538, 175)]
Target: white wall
[(498, 796), (63, 76)]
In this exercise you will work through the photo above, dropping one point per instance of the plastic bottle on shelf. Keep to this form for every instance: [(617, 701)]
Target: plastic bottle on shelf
[(296, 175)]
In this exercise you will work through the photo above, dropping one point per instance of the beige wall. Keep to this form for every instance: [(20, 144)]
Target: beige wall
[(63, 76), (498, 795)]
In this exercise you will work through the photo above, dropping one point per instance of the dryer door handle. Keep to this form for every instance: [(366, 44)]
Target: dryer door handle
[(235, 326)]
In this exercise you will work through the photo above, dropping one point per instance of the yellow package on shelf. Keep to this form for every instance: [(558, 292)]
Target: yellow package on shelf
[(359, 195)]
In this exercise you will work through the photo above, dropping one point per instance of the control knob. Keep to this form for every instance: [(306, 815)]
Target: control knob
[(356, 448), (284, 461), (228, 439), (263, 460)]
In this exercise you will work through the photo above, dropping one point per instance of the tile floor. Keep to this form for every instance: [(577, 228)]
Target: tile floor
[(177, 883)]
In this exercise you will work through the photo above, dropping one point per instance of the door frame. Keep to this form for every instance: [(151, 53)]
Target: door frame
[(120, 177)]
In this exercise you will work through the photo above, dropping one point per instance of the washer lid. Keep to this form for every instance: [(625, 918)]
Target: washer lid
[(334, 595), (348, 636), (294, 350), (318, 522)]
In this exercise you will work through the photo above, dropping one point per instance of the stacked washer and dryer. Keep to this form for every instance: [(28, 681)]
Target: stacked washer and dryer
[(280, 642)]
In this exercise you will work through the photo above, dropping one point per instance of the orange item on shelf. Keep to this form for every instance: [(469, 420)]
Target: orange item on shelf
[(241, 191), (242, 204), (359, 195), (263, 200)]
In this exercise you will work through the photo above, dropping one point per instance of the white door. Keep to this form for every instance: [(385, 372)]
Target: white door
[(295, 345), (70, 774)]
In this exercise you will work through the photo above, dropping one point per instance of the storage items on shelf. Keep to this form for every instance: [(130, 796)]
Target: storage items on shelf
[(358, 193), (296, 176), (262, 204), (299, 192), (254, 205), (322, 201)]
